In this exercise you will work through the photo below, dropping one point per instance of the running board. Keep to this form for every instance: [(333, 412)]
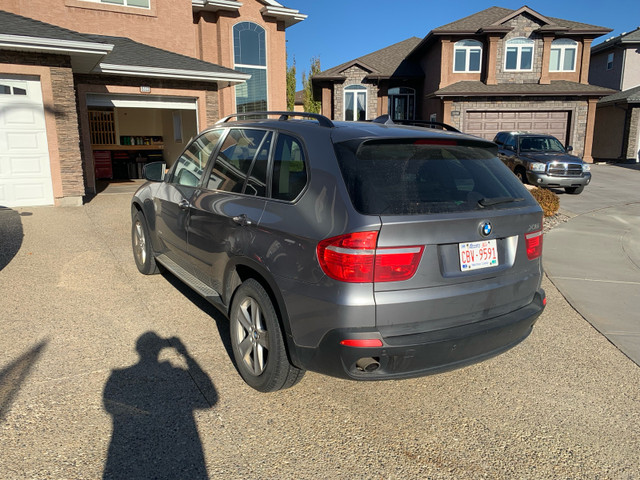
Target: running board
[(192, 281)]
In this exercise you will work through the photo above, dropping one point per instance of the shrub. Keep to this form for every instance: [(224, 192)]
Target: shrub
[(548, 200)]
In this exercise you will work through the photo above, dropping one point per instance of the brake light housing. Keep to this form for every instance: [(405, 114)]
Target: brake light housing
[(533, 242), (356, 258)]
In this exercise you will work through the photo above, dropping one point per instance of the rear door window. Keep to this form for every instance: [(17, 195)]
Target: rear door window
[(289, 171), (407, 177)]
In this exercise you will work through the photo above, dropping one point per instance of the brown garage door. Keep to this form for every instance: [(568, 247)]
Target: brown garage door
[(487, 124)]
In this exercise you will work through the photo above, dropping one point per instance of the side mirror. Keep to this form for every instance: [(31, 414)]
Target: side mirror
[(154, 171), (510, 147), (569, 148)]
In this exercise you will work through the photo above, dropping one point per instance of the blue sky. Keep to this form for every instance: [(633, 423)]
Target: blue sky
[(340, 30)]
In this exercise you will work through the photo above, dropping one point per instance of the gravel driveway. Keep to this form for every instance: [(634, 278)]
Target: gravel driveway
[(82, 387)]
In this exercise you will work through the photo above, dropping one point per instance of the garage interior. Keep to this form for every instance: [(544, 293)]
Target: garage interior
[(129, 132)]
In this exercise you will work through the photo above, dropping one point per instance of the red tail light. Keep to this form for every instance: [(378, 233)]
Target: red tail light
[(534, 244), (354, 258), (362, 343)]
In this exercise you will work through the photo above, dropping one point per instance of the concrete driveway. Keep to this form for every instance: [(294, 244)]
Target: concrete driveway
[(105, 372), (594, 258)]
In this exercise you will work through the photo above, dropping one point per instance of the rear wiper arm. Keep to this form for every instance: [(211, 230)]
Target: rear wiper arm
[(487, 202)]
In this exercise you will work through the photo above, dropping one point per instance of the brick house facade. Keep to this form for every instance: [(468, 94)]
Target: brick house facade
[(66, 60), (498, 69)]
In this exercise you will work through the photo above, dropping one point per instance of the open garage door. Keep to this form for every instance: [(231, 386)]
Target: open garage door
[(486, 124), (25, 171)]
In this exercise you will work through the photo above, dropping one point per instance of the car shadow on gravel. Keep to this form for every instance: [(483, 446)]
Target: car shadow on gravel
[(222, 323), (11, 235), (152, 405)]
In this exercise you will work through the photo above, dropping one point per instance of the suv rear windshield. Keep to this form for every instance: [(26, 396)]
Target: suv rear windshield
[(410, 177)]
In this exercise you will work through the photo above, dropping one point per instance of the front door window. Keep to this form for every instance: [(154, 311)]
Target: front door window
[(355, 102), (402, 103)]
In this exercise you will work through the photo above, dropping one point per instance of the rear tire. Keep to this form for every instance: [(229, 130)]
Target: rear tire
[(257, 343), (574, 190), (141, 243)]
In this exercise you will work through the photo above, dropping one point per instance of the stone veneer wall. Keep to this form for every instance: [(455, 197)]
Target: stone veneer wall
[(577, 118), (523, 26), (354, 76), (630, 142)]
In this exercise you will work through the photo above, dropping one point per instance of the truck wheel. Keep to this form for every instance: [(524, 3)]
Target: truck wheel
[(521, 174), (574, 190)]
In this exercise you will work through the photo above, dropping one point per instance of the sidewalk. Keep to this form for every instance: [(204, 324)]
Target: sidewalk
[(594, 258)]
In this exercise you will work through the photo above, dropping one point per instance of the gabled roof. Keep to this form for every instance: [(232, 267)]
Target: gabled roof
[(624, 39), (555, 88), (497, 16), (494, 19), (384, 63), (95, 54), (627, 96)]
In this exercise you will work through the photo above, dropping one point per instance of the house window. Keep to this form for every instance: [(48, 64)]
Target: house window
[(563, 55), (355, 102), (519, 55), (467, 56), (610, 61), (126, 3), (402, 103), (250, 56)]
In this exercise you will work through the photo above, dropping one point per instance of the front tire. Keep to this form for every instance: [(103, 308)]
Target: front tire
[(574, 190), (141, 243), (256, 340)]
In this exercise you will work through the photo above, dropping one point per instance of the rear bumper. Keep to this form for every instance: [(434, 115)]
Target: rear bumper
[(421, 354), (544, 180)]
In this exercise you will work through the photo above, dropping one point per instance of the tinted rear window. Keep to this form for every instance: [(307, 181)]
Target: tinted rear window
[(406, 177)]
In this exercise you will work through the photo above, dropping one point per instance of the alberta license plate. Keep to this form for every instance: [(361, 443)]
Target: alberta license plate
[(474, 255)]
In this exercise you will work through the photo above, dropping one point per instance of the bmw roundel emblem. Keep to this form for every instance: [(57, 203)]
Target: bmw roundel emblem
[(486, 229)]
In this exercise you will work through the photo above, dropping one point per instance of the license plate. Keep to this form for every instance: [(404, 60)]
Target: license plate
[(475, 255)]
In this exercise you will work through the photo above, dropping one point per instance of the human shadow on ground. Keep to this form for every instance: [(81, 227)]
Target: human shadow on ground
[(152, 405), (14, 375), (11, 235)]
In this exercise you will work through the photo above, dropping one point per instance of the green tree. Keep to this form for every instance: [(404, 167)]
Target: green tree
[(291, 86), (310, 105)]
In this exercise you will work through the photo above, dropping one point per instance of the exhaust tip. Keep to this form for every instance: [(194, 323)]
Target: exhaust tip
[(367, 364)]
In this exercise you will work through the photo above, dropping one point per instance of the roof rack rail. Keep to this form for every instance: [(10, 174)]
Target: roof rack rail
[(387, 120), (284, 116)]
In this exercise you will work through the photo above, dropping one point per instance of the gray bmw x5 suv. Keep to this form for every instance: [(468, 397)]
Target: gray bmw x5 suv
[(361, 250)]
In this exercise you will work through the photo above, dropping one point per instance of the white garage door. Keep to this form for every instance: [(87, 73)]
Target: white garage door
[(25, 172), (486, 124)]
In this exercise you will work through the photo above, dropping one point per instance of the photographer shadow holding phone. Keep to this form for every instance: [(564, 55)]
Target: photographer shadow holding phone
[(152, 405)]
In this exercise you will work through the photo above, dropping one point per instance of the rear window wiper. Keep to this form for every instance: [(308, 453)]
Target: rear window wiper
[(488, 202)]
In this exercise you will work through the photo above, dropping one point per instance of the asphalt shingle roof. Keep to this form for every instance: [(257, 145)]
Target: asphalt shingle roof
[(12, 24), (627, 96), (560, 87), (126, 52), (628, 37), (386, 62), (492, 15)]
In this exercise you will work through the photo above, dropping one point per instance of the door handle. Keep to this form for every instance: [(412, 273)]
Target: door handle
[(184, 205), (242, 220)]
